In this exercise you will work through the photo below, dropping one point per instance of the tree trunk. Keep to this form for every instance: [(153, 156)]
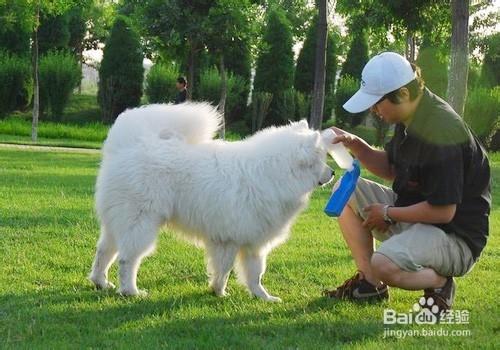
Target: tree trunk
[(223, 95), (36, 92), (191, 68), (459, 64), (319, 70), (410, 46)]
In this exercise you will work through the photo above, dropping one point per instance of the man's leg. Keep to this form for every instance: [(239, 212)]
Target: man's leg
[(423, 257), (392, 275), (364, 285), (360, 241)]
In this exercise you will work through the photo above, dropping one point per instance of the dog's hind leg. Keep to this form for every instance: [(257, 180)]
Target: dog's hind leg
[(251, 267), (105, 255), (134, 243), (220, 261)]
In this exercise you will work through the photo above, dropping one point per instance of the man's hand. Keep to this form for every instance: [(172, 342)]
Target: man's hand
[(351, 141), (375, 218)]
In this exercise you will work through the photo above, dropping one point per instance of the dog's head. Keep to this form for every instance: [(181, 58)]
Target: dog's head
[(310, 156)]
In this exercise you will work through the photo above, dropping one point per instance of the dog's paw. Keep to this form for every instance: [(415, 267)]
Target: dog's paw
[(102, 285), (272, 299), (219, 293), (140, 293)]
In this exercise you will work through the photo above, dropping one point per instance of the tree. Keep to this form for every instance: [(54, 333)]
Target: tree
[(53, 33), (433, 63), (121, 72), (174, 26), (319, 68), (357, 56), (275, 66), (459, 64), (228, 21), (304, 71), (15, 27), (411, 15), (490, 71), (298, 12)]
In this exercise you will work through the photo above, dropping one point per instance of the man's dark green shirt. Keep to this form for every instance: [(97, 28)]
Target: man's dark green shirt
[(438, 159)]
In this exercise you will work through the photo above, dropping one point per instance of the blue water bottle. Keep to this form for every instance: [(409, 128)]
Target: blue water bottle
[(342, 194)]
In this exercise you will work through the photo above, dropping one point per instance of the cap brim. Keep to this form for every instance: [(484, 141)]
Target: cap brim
[(360, 102)]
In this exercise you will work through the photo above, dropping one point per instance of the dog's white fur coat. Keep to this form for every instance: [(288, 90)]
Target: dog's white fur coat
[(160, 165)]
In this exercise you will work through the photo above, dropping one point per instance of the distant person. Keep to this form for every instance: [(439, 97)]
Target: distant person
[(181, 85)]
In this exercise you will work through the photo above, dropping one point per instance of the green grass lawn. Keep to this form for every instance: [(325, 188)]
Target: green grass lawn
[(48, 232)]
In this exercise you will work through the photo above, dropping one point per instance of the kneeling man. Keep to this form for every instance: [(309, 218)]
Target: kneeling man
[(433, 223)]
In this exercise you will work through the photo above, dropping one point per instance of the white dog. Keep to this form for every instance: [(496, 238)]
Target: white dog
[(237, 199)]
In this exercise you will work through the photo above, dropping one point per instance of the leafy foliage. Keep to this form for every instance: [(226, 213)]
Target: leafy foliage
[(434, 66), (490, 74), (346, 87), (209, 90), (357, 56), (304, 72), (59, 75), (16, 83), (482, 110), (160, 83), (121, 72), (275, 66)]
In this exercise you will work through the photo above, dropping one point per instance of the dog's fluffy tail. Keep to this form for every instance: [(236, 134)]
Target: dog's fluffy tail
[(195, 122)]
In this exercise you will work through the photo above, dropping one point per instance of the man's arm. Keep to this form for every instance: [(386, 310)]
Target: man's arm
[(423, 212), (376, 161)]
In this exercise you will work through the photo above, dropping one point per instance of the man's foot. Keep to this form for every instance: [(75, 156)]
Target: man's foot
[(357, 288), (441, 297)]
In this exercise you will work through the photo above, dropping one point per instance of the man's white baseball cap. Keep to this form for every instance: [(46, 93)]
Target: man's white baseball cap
[(382, 74)]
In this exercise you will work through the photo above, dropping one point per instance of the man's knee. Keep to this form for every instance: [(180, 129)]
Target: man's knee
[(386, 271)]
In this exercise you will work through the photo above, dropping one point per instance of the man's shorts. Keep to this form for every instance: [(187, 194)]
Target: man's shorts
[(413, 246)]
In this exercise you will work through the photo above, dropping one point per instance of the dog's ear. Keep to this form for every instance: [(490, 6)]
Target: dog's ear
[(300, 125), (307, 149), (303, 124)]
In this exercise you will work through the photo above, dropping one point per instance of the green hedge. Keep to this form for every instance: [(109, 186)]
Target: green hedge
[(346, 87), (482, 110), (60, 74), (160, 83), (16, 83), (209, 89)]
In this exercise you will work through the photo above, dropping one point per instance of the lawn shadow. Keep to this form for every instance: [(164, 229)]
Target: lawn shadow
[(87, 318)]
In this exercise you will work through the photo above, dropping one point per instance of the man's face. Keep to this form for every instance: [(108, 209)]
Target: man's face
[(179, 86), (393, 113)]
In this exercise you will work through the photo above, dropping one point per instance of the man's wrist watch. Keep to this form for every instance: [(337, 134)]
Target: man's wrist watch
[(387, 218)]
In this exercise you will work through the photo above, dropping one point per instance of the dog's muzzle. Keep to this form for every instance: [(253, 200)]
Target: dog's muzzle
[(327, 178)]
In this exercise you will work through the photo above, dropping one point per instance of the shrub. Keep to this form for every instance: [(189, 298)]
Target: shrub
[(302, 106), (304, 71), (260, 108), (121, 73), (209, 89), (346, 87), (16, 85), (482, 110), (275, 66), (285, 106), (160, 83), (490, 74), (434, 66), (59, 75), (357, 56), (493, 141)]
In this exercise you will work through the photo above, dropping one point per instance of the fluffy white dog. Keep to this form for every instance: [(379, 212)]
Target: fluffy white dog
[(238, 200)]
